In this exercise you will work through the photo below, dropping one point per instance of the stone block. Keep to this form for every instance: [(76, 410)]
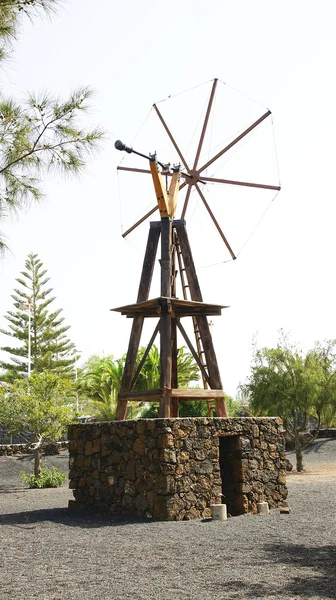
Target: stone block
[(282, 477), (139, 446), (167, 441), (168, 456), (174, 506), (141, 503), (241, 504), (96, 445), (165, 484), (88, 448)]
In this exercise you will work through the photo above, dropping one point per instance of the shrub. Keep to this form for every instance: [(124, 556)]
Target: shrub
[(48, 478)]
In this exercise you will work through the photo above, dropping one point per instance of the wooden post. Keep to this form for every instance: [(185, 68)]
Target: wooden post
[(143, 293), (165, 321), (174, 405)]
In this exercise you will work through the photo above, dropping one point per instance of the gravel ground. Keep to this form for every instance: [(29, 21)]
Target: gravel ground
[(50, 553)]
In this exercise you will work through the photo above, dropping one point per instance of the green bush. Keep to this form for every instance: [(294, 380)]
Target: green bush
[(48, 478)]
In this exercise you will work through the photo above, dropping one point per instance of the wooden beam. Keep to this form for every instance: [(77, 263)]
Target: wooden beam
[(160, 190), (171, 137), (166, 320), (235, 141), (142, 395), (173, 193), (262, 186), (196, 393), (143, 293), (145, 354), (133, 169), (149, 261), (158, 393), (150, 212), (205, 124), (215, 222)]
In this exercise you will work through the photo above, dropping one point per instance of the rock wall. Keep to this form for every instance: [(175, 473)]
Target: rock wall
[(48, 448), (173, 469)]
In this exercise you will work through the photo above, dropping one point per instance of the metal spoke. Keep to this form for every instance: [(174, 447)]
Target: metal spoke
[(216, 223), (235, 141), (243, 183), (171, 137), (205, 124)]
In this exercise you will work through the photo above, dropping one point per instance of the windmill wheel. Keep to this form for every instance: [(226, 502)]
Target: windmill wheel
[(195, 170)]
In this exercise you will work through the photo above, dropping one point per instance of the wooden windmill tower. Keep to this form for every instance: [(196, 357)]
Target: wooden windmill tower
[(175, 258)]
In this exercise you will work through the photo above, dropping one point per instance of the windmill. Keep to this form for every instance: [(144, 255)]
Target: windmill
[(176, 259)]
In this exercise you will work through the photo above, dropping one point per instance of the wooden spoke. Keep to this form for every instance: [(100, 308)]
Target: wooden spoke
[(205, 124), (150, 212), (171, 137), (235, 141), (216, 223), (243, 183), (134, 170), (185, 205)]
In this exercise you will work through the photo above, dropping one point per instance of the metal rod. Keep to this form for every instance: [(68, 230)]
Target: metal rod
[(205, 124), (243, 183), (171, 137), (216, 223), (150, 212), (235, 141)]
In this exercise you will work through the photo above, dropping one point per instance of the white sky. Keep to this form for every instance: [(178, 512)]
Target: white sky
[(281, 54)]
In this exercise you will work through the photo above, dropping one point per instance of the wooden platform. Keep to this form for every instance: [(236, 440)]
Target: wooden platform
[(174, 306)]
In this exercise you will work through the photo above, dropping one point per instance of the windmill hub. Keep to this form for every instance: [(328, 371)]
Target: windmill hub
[(193, 177)]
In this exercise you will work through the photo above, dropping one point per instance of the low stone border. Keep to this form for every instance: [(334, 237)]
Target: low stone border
[(49, 449), (326, 433)]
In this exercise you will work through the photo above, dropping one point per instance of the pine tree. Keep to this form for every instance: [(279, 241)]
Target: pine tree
[(50, 348), (42, 134)]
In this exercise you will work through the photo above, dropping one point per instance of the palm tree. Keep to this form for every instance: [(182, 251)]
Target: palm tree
[(100, 383), (100, 380)]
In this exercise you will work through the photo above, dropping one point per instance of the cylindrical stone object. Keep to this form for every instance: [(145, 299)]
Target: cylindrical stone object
[(263, 508), (218, 512)]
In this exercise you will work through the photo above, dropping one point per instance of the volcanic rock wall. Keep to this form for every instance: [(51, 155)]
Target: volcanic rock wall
[(173, 469)]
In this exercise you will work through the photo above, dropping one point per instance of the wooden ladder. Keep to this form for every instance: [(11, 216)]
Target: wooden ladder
[(200, 351)]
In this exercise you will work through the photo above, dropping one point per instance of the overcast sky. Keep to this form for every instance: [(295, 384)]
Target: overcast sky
[(279, 55)]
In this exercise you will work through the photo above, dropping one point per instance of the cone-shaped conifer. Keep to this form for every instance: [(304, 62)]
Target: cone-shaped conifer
[(50, 348)]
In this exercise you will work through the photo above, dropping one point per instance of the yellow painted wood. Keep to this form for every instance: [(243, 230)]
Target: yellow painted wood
[(160, 190), (173, 193)]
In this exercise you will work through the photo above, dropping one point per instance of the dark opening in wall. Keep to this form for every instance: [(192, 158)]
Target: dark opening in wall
[(230, 460)]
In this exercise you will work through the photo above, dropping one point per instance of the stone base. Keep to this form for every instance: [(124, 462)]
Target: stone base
[(173, 469)]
